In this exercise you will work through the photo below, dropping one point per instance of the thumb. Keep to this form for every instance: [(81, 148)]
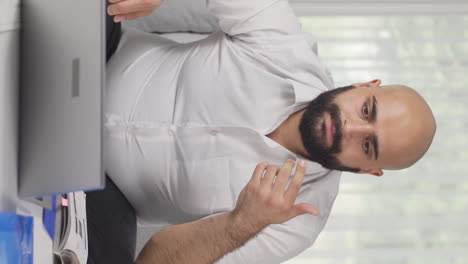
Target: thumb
[(304, 208)]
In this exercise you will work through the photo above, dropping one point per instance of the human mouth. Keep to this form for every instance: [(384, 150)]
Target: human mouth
[(330, 131)]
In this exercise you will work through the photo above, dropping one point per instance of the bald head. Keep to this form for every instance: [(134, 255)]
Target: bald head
[(410, 123)]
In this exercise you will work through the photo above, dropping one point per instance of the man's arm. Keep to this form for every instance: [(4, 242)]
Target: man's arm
[(131, 9), (264, 18), (263, 201), (202, 241)]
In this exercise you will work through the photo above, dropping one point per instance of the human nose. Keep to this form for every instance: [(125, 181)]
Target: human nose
[(356, 128)]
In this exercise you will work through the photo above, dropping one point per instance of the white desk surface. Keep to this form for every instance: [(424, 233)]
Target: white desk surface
[(9, 71), (9, 18)]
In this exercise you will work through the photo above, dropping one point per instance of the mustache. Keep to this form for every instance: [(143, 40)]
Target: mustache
[(334, 113)]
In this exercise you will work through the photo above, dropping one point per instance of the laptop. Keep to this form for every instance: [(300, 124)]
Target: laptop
[(62, 78)]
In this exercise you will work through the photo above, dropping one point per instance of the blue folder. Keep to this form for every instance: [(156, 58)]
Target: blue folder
[(16, 238)]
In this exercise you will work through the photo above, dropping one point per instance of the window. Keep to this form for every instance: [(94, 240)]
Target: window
[(418, 215)]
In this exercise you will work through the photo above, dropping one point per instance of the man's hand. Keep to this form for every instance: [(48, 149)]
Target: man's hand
[(131, 9), (265, 199)]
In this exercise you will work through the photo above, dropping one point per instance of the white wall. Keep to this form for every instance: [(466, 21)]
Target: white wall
[(9, 46), (378, 7)]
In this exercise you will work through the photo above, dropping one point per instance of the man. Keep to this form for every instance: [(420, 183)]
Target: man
[(186, 124)]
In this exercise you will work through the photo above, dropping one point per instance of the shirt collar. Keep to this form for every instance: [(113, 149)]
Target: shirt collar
[(304, 93), (312, 166)]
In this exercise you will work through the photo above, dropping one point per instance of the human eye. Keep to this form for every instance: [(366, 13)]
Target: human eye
[(366, 145), (365, 110)]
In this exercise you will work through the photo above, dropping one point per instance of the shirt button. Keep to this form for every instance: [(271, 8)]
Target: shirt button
[(170, 132), (214, 132)]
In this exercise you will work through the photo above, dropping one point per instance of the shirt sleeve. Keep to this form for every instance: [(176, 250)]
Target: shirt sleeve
[(278, 243), (254, 17), (275, 244)]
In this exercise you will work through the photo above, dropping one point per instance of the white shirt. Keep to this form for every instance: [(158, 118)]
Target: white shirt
[(185, 124)]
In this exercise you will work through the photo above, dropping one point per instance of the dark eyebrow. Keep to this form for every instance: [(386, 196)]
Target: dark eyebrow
[(375, 143), (374, 109)]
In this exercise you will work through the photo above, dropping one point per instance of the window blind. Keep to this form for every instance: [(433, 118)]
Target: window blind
[(418, 215)]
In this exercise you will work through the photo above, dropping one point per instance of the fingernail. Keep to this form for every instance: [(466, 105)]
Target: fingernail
[(302, 163)]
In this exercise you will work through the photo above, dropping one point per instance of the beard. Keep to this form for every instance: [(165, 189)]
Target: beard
[(313, 130)]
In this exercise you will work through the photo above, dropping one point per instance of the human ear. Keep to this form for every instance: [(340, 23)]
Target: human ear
[(375, 172), (374, 83)]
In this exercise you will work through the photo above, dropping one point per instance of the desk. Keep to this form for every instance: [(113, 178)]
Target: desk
[(9, 72)]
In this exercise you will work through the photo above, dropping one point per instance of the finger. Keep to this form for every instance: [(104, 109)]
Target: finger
[(283, 176), (136, 15), (304, 208), (258, 172), (269, 175), (126, 7), (115, 1), (296, 183), (118, 18)]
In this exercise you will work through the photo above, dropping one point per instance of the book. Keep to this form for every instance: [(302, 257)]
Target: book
[(70, 234)]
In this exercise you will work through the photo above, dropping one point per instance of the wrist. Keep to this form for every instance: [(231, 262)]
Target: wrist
[(246, 223), (240, 229)]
